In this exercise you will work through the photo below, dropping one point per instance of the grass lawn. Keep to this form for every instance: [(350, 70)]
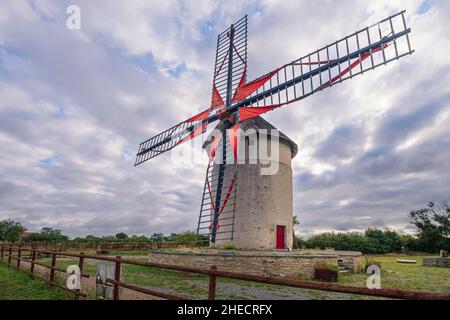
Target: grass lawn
[(394, 275), (16, 285), (404, 276)]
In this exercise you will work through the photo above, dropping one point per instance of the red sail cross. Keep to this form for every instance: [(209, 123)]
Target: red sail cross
[(201, 116), (233, 133), (243, 91), (246, 113), (217, 100)]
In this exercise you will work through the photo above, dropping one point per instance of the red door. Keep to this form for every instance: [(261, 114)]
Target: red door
[(281, 230)]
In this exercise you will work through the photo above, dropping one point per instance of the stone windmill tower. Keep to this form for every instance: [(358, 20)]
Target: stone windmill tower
[(239, 204), (258, 190)]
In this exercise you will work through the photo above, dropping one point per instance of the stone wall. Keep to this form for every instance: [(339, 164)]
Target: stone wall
[(266, 264), (437, 262)]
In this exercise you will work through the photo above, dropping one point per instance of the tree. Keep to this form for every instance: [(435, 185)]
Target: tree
[(136, 238), (10, 230), (433, 226), (47, 235), (171, 238), (157, 237), (188, 237), (121, 236), (373, 241), (383, 241)]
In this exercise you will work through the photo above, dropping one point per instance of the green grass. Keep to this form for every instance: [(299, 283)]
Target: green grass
[(192, 285), (15, 285), (404, 276), (394, 275)]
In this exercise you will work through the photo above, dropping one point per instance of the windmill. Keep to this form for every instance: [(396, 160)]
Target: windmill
[(235, 101)]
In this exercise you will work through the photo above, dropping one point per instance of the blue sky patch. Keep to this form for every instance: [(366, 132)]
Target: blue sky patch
[(175, 71), (425, 6), (145, 62), (45, 162)]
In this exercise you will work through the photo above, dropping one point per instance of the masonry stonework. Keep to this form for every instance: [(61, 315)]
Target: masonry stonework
[(263, 202), (265, 264)]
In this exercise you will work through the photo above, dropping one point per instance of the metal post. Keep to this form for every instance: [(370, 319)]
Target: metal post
[(117, 278), (212, 284), (52, 270), (19, 254)]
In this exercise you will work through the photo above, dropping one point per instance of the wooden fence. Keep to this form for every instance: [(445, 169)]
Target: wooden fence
[(109, 246), (16, 253)]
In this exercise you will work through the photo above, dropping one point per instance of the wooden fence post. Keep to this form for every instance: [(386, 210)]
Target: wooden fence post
[(19, 254), (81, 262), (81, 266), (117, 278), (2, 251), (212, 284), (10, 254), (52, 270), (33, 258)]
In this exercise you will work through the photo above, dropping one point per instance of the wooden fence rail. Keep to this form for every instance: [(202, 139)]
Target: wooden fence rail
[(117, 246), (7, 250)]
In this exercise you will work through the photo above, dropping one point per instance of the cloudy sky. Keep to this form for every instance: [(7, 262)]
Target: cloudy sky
[(74, 104)]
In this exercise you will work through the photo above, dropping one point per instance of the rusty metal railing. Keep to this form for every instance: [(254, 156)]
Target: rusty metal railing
[(7, 250)]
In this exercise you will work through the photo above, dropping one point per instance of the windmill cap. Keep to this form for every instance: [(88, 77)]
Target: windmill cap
[(258, 123)]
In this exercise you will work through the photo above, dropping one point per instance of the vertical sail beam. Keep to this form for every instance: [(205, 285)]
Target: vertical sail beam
[(224, 140), (230, 68)]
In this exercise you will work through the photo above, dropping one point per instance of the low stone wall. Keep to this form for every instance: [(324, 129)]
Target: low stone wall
[(437, 262), (265, 264)]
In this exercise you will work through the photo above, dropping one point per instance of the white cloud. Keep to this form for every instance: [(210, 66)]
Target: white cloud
[(75, 104)]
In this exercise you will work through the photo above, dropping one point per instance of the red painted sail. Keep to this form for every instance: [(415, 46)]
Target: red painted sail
[(246, 113), (217, 100), (243, 91), (233, 133)]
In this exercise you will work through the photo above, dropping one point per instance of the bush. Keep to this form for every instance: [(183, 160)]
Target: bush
[(10, 230), (326, 272), (328, 266), (230, 247), (47, 235), (373, 241)]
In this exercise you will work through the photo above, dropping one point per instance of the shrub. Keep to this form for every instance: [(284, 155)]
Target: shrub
[(230, 246), (328, 266), (373, 241)]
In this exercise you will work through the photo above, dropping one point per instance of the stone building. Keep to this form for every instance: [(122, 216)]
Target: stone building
[(264, 202)]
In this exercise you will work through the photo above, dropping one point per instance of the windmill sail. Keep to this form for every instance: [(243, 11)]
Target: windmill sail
[(238, 64), (364, 50), (217, 223), (216, 219), (236, 70), (169, 139)]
